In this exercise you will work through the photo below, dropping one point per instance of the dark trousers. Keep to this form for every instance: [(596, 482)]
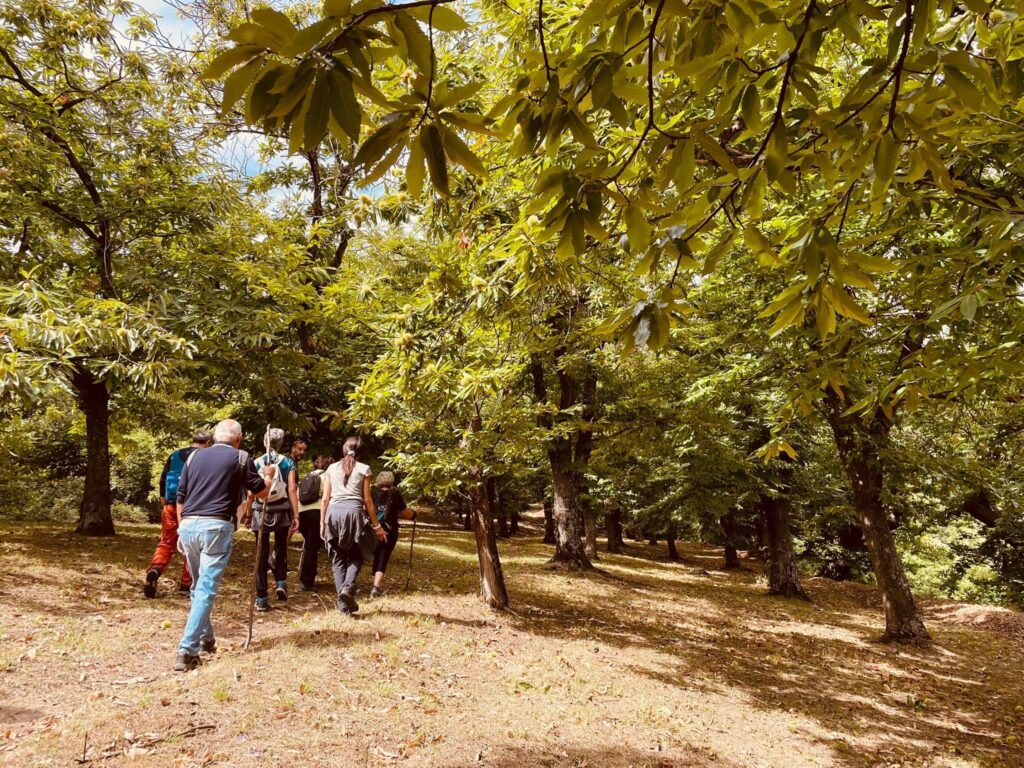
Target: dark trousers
[(280, 566), (309, 527), (345, 564)]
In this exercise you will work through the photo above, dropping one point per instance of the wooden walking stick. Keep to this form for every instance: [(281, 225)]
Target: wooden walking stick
[(412, 541), (259, 555)]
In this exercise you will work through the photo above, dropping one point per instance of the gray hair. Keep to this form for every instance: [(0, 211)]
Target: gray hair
[(227, 431), (385, 479), (276, 438)]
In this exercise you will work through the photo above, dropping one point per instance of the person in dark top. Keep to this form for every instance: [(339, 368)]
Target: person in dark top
[(213, 485), (311, 491), (390, 506), (168, 544), (279, 513)]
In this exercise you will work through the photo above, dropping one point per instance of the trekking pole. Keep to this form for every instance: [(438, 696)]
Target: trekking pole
[(412, 541), (259, 556)]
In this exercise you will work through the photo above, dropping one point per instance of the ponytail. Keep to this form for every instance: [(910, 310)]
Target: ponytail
[(350, 453)]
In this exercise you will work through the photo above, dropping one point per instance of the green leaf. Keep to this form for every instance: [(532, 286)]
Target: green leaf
[(886, 154), (275, 21), (419, 45), (433, 149), (317, 113), (444, 18), (343, 103), (337, 8), (309, 38), (750, 108), (229, 59), (457, 150), (962, 86), (719, 155), (237, 84), (845, 305), (638, 230), (415, 168)]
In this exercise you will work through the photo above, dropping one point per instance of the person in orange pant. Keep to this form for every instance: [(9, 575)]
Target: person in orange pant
[(169, 520)]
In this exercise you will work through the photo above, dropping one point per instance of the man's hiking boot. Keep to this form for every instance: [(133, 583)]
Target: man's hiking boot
[(262, 604), (208, 645), (282, 590), (346, 599), (376, 592), (307, 587), (186, 662), (184, 591), (152, 577)]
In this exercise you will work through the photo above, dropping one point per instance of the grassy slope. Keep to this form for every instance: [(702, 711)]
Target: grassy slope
[(648, 663)]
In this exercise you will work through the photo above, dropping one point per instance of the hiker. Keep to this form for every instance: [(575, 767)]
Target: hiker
[(213, 484), (390, 506), (278, 513), (297, 452), (168, 544), (346, 515), (311, 491)]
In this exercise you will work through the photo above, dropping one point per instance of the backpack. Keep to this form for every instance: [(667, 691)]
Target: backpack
[(175, 464), (384, 501), (310, 489), (279, 485)]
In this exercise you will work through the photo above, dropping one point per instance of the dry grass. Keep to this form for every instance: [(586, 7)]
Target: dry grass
[(647, 663)]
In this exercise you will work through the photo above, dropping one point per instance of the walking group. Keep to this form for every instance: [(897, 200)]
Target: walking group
[(211, 487)]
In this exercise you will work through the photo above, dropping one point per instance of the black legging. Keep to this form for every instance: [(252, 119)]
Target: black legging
[(280, 558), (382, 554)]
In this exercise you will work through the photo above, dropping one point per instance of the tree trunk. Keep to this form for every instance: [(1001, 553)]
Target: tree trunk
[(652, 539), (497, 508), (860, 448), (783, 576), (549, 521), (670, 538), (492, 580), (590, 529), (94, 518), (613, 524), (566, 515), (728, 523), (513, 520)]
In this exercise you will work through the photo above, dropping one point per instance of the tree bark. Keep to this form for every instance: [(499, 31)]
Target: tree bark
[(94, 514), (613, 524), (497, 508), (566, 514), (590, 529), (492, 580), (670, 538), (783, 575), (728, 523), (513, 520), (549, 521), (860, 446)]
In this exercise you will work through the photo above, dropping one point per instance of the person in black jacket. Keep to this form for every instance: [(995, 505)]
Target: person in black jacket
[(213, 485), (390, 507)]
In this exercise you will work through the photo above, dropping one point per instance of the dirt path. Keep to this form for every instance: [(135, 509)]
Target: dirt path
[(648, 663)]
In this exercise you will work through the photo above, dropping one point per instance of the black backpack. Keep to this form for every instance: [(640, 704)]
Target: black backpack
[(310, 488)]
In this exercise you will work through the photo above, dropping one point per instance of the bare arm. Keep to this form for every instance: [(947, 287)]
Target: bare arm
[(325, 500), (371, 510), (293, 497)]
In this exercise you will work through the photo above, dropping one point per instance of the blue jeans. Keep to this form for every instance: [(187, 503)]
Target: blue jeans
[(207, 543)]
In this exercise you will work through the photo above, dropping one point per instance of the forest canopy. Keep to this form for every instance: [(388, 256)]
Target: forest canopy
[(747, 273)]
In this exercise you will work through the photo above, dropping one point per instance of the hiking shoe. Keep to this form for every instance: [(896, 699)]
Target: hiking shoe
[(282, 590), (208, 645), (376, 592), (152, 577), (307, 587), (186, 662), (262, 604), (346, 599), (184, 591)]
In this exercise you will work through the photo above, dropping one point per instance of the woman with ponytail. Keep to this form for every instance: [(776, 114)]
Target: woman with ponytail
[(346, 514)]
